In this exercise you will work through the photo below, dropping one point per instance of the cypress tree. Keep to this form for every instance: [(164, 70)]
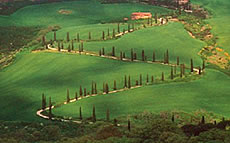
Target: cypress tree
[(82, 47), (103, 51), (62, 46), (107, 115), (203, 120), (43, 101), (129, 125), (128, 27), (80, 112), (148, 22), (113, 51), (95, 88), (67, 96), (79, 49), (143, 55), (78, 37), (155, 17), (43, 40), (76, 97), (181, 70), (135, 56), (131, 54), (69, 50), (104, 87), (136, 82), (147, 79), (199, 70), (80, 91), (125, 84), (152, 79), (140, 79), (191, 65), (178, 61), (172, 76), (167, 56), (89, 35), (151, 21), (46, 46), (55, 38), (129, 82), (50, 108), (115, 122), (99, 52), (59, 47), (108, 33), (103, 35), (72, 45), (114, 34), (121, 56), (154, 56), (173, 118), (215, 122), (94, 114), (133, 27), (162, 21), (107, 88), (162, 76), (114, 85), (118, 27), (164, 59), (123, 31), (92, 88), (85, 92), (67, 37)]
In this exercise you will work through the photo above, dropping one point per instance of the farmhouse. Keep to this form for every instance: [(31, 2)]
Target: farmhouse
[(181, 2), (141, 15)]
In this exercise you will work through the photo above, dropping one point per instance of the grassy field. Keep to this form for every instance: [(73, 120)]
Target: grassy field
[(159, 38), (220, 10), (83, 12), (30, 75), (206, 93)]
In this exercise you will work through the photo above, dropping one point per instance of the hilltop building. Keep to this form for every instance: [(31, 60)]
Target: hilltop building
[(141, 15)]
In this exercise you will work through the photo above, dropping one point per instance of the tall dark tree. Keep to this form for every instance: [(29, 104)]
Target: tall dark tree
[(43, 101), (107, 115), (191, 65), (78, 37), (162, 76), (199, 68), (55, 37), (80, 91), (72, 45), (103, 51), (94, 114), (108, 33), (148, 21), (69, 49), (67, 37), (154, 56), (137, 83), (131, 54), (62, 46), (76, 96), (129, 125), (147, 79), (155, 17), (95, 88), (203, 66), (82, 47), (115, 122), (123, 31), (143, 55), (43, 40), (67, 96), (203, 120), (128, 27), (92, 88), (100, 52), (80, 113), (114, 85), (181, 70), (107, 88), (140, 79), (152, 79), (173, 118), (125, 82), (46, 46), (135, 56), (103, 35), (104, 88), (113, 51), (89, 35), (121, 56), (167, 56), (50, 109), (85, 92), (133, 26), (59, 46), (172, 76), (151, 21), (129, 82), (118, 27)]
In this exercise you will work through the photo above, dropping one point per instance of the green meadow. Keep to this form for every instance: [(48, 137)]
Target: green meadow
[(209, 93)]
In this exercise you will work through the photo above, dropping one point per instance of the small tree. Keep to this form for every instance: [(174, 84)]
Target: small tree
[(104, 90), (67, 96), (62, 46), (69, 49), (114, 85), (107, 88), (136, 82), (203, 66), (121, 56), (154, 56), (155, 17), (152, 79), (125, 82), (203, 120), (167, 57), (55, 37), (148, 22), (76, 96), (118, 27), (173, 118), (94, 114), (78, 37), (95, 88), (114, 33), (59, 46), (108, 33), (147, 79), (103, 35), (181, 70), (199, 70), (143, 55), (129, 82), (162, 76), (67, 37), (191, 66), (43, 40), (175, 68), (103, 51), (80, 112), (131, 54), (82, 47), (129, 125), (107, 115), (172, 76), (80, 91), (89, 35), (43, 101), (85, 92), (128, 27), (115, 122), (178, 61), (133, 26), (135, 56), (123, 31), (92, 88), (72, 45), (99, 52), (140, 79), (50, 109), (113, 51)]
